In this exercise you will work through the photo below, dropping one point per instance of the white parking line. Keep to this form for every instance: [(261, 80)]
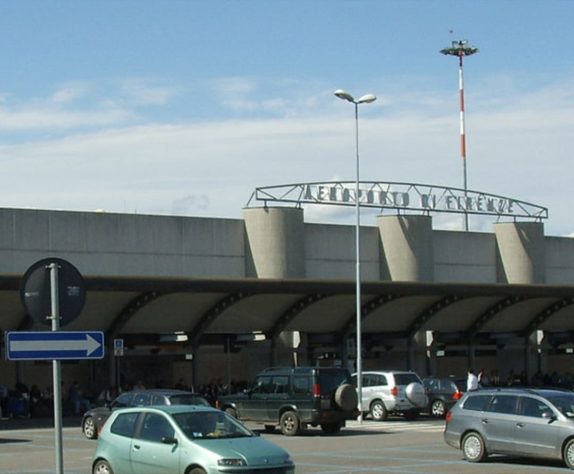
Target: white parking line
[(396, 426)]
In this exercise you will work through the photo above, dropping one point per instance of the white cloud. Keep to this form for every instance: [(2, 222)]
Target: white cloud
[(69, 93), (210, 169), (45, 118), (149, 92)]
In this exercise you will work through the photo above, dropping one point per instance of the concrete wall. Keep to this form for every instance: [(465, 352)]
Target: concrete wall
[(464, 257), (559, 253), (277, 243), (330, 252), (101, 244)]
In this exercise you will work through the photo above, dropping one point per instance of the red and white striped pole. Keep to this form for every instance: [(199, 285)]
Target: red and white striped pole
[(460, 49), (462, 133)]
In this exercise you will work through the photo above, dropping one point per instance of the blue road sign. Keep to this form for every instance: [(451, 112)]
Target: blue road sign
[(54, 345)]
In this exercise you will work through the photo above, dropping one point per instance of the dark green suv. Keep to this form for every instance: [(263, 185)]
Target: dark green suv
[(296, 397)]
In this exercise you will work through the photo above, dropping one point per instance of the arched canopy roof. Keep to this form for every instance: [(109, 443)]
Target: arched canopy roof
[(200, 307)]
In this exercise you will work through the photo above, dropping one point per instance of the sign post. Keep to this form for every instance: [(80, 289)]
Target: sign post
[(118, 353), (56, 369), (53, 293)]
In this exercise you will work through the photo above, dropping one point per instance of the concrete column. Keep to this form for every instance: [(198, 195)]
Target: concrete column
[(531, 355), (528, 358), (410, 353), (418, 353), (472, 354), (194, 367), (273, 353), (520, 252), (275, 242), (407, 243), (112, 368)]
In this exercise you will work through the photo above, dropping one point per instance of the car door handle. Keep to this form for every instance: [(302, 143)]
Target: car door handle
[(520, 425), (136, 447), (484, 421)]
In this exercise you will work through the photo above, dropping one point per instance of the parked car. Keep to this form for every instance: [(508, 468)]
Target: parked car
[(184, 439), (392, 391), (443, 393), (94, 419), (294, 398), (523, 422)]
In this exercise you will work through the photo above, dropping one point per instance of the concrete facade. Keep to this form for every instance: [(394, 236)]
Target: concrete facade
[(277, 244), (101, 244)]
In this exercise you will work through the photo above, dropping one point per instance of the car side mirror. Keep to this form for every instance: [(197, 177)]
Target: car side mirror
[(549, 416), (168, 440)]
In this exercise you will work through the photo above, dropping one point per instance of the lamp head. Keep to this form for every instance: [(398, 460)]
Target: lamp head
[(341, 94), (367, 99)]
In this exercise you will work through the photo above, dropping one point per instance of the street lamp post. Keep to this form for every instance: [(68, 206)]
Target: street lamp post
[(366, 99)]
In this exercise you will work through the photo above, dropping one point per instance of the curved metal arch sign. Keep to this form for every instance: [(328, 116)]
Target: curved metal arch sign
[(400, 196)]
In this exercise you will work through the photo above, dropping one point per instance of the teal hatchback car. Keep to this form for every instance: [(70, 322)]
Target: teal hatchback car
[(183, 439)]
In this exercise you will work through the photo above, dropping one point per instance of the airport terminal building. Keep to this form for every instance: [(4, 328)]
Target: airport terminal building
[(205, 299)]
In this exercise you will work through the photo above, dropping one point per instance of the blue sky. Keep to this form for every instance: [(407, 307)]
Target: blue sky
[(184, 107)]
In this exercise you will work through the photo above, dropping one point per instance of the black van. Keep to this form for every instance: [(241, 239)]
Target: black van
[(294, 397)]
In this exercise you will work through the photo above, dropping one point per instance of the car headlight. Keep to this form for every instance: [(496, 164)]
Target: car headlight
[(231, 462)]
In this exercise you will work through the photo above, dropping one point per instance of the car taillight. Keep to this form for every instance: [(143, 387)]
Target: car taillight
[(448, 416), (457, 395), (316, 390), (394, 391)]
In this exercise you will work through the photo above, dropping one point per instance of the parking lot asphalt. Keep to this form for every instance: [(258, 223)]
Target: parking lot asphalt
[(393, 446)]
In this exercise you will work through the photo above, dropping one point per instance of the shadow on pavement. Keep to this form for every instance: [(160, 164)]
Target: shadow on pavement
[(36, 423), (526, 461)]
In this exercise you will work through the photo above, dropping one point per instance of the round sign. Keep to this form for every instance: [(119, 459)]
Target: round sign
[(35, 291)]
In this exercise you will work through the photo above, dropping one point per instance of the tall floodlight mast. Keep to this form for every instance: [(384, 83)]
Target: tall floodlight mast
[(460, 49)]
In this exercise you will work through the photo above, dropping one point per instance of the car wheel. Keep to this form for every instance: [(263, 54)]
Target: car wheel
[(89, 428), (196, 470), (568, 454), (269, 428), (331, 428), (346, 397), (379, 411), (231, 411), (289, 423), (473, 447), (102, 467), (438, 408)]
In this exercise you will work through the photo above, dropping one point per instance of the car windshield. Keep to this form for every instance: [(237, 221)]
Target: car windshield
[(187, 399), (405, 379), (329, 380), (564, 402), (210, 425)]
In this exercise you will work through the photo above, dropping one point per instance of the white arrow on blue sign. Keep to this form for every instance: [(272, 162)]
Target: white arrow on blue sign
[(54, 345)]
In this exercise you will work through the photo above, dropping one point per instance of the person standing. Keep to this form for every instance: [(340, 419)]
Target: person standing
[(483, 379), (75, 396), (471, 381)]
